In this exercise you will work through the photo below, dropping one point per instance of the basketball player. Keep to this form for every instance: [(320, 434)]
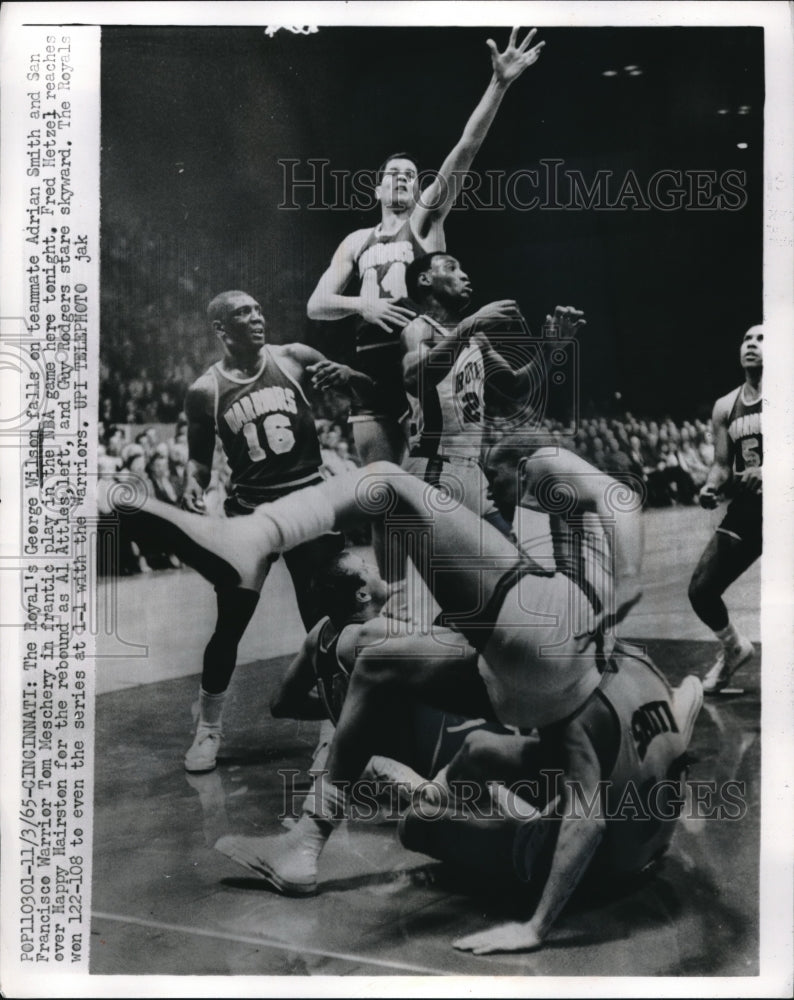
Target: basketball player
[(374, 260), (256, 400), (622, 755), (584, 546), (530, 672), (736, 544), (450, 367)]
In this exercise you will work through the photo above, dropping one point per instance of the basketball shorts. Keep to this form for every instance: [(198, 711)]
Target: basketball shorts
[(462, 478), (743, 521)]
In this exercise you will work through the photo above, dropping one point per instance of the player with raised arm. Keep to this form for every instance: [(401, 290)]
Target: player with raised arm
[(451, 368), (256, 399), (737, 472), (374, 260)]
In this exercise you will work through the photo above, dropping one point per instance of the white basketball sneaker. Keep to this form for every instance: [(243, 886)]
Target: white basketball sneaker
[(203, 753), (726, 664)]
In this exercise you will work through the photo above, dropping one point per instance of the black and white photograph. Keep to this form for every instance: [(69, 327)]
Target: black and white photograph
[(437, 619)]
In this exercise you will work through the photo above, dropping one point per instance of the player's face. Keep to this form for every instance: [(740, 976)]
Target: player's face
[(448, 281), (751, 353), (505, 479), (397, 187), (372, 586), (243, 327)]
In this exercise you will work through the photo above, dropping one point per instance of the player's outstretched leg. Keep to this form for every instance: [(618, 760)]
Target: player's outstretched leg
[(231, 553)]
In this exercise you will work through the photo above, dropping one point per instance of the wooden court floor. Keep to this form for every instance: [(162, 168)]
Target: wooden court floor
[(165, 903)]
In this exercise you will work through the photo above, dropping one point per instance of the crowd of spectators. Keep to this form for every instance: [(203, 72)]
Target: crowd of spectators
[(667, 461), (154, 459), (671, 460)]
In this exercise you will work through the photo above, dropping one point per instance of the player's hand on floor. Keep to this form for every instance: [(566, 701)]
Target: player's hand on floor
[(567, 320), (510, 64), (385, 313), (505, 937)]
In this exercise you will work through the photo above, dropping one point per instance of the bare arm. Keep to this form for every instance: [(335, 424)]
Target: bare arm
[(516, 381), (325, 374), (581, 832), (720, 472), (427, 363), (500, 376), (618, 509), (327, 301), (438, 198), (201, 447), (296, 697)]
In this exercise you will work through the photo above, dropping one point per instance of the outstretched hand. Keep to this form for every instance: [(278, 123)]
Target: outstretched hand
[(386, 313), (327, 374), (567, 320), (501, 310), (505, 937), (510, 64)]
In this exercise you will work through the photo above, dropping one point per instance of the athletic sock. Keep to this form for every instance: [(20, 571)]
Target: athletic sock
[(729, 637), (298, 518), (312, 834), (325, 803), (211, 708)]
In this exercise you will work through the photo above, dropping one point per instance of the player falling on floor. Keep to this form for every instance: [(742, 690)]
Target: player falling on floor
[(532, 670), (737, 473), (256, 399), (585, 548), (366, 276)]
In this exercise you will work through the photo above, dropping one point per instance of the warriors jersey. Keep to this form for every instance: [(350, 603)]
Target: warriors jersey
[(744, 431), (452, 409), (331, 675), (380, 273), (643, 790), (266, 427)]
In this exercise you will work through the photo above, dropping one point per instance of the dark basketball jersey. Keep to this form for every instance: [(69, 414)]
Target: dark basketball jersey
[(266, 427), (643, 793), (380, 273), (744, 431), (431, 738), (331, 674)]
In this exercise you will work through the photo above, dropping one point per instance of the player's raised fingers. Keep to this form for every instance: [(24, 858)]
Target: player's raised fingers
[(525, 44), (513, 36)]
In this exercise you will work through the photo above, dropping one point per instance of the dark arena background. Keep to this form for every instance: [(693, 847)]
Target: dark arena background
[(209, 136)]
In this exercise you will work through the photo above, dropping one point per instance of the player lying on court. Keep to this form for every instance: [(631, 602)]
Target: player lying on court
[(366, 276), (533, 670), (737, 473)]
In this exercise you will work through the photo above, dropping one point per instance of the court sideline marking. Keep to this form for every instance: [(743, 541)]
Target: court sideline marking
[(270, 943)]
